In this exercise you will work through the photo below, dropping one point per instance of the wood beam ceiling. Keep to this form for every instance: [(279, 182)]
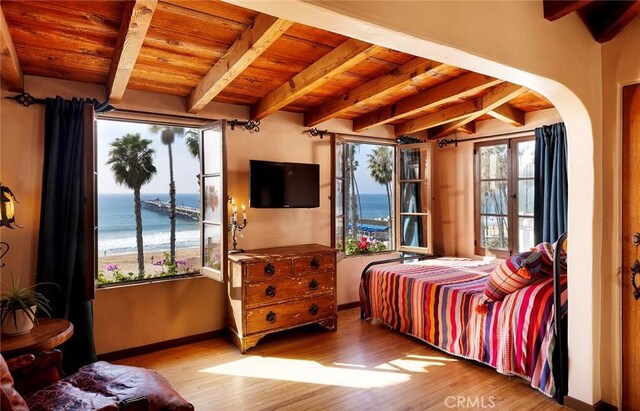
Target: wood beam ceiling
[(606, 19), (468, 85), (342, 58), (413, 71), (11, 70), (555, 9), (455, 117), (508, 114), (133, 30), (263, 32)]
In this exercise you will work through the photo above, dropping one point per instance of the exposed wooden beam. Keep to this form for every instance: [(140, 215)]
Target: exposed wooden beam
[(413, 71), (508, 114), (254, 41), (469, 128), (133, 29), (449, 92), (554, 9), (606, 23), (457, 116), (11, 70), (337, 61)]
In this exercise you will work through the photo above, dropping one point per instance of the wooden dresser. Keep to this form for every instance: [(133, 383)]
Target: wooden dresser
[(274, 289)]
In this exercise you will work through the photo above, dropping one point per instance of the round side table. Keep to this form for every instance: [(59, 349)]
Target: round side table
[(47, 334)]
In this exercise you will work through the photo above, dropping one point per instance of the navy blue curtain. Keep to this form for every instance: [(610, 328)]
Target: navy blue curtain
[(61, 250), (551, 187)]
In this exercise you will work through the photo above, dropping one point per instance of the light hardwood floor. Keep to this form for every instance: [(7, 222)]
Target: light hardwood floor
[(362, 366)]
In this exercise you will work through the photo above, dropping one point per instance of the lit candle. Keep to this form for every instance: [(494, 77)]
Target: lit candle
[(244, 213), (235, 213)]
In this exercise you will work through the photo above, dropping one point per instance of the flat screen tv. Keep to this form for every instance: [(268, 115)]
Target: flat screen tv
[(283, 185)]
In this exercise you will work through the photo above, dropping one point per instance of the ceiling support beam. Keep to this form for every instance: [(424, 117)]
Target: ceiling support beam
[(133, 30), (457, 116), (555, 9), (254, 41), (342, 58), (469, 128), (508, 114), (606, 23), (413, 71), (11, 70), (452, 91)]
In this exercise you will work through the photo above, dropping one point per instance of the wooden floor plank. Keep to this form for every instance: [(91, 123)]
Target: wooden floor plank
[(363, 365)]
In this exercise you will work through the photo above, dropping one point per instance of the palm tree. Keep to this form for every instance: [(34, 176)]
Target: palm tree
[(168, 136), (193, 143), (380, 164), (131, 161), (351, 188)]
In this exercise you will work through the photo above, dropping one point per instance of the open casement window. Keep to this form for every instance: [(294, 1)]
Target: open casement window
[(364, 211), (414, 198), (504, 196), (213, 229)]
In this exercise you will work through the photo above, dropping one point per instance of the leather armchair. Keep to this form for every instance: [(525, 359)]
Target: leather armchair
[(34, 383)]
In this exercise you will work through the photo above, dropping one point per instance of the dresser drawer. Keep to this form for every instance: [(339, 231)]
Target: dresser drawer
[(289, 314), (269, 292), (263, 271), (313, 263)]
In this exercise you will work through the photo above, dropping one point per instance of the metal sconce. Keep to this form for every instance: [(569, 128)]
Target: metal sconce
[(7, 215)]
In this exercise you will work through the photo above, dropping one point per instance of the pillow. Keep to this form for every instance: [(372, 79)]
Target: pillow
[(546, 251), (10, 399)]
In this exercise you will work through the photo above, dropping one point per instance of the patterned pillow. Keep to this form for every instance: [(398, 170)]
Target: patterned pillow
[(511, 275), (546, 259)]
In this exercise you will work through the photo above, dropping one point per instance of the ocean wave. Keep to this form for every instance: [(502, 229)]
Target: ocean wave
[(151, 242)]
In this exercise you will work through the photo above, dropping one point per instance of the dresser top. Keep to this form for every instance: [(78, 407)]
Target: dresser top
[(262, 254)]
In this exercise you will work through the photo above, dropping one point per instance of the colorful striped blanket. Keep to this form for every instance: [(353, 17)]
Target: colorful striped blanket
[(435, 301)]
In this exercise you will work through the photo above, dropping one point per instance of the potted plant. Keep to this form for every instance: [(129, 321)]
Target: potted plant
[(18, 308)]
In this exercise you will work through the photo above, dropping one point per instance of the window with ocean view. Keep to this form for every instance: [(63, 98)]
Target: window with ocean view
[(504, 196), (364, 197), (148, 200)]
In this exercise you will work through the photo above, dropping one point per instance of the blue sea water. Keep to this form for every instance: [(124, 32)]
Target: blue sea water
[(117, 224)]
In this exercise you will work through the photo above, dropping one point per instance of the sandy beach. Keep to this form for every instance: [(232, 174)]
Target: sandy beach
[(188, 260)]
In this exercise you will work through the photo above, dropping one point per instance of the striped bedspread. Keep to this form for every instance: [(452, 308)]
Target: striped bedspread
[(435, 301)]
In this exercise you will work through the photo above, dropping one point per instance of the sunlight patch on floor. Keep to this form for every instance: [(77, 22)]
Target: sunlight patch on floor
[(307, 372), (431, 358), (415, 365)]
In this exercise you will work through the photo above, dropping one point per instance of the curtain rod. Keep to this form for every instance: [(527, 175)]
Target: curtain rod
[(27, 100), (443, 142), (122, 112)]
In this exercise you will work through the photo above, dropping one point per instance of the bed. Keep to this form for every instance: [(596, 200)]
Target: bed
[(436, 301)]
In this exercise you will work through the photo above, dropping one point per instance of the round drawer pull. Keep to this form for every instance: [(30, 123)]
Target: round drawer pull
[(269, 270), (315, 263), (271, 317), (313, 284), (270, 291), (313, 309)]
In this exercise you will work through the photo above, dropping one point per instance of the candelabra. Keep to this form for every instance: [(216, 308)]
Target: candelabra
[(235, 225)]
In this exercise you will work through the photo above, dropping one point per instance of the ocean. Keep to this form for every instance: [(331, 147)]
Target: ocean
[(117, 226)]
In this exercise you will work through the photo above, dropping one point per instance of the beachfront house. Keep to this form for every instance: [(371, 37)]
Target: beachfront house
[(209, 208)]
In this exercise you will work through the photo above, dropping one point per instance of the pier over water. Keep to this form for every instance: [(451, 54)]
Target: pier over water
[(163, 207)]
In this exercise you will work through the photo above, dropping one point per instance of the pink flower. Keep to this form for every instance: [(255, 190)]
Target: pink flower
[(111, 267), (159, 262)]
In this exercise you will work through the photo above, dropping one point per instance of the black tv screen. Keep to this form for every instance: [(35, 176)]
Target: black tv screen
[(283, 185)]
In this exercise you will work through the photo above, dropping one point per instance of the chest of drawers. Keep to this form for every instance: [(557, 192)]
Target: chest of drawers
[(274, 289)]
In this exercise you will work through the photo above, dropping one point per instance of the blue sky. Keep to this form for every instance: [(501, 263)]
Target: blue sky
[(366, 184), (185, 167)]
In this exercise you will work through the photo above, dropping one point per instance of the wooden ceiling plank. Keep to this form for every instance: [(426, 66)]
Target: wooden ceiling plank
[(451, 119), (413, 71), (555, 9), (449, 92), (334, 63), (508, 114), (133, 30), (264, 31), (11, 70)]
